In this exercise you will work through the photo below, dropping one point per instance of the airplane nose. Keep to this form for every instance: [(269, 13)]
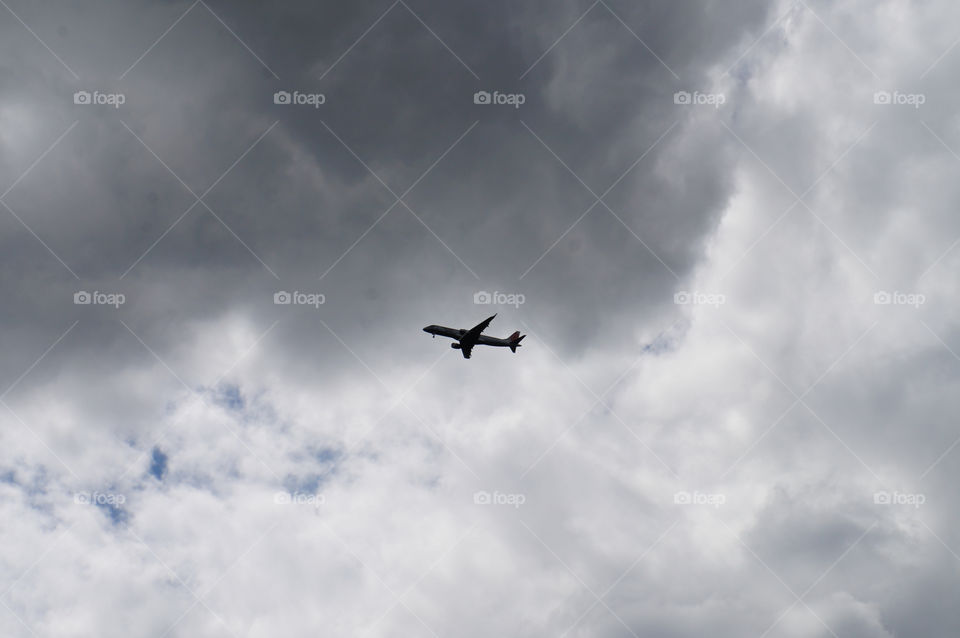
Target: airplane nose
[(427, 329)]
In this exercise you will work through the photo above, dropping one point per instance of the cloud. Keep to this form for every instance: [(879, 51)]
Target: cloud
[(732, 412)]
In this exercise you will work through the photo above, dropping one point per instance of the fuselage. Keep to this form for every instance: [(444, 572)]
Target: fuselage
[(457, 333)]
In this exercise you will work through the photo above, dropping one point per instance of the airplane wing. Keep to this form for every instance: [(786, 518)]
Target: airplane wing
[(468, 340), (473, 334)]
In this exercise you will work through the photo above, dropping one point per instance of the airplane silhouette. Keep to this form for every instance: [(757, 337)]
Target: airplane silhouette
[(466, 339)]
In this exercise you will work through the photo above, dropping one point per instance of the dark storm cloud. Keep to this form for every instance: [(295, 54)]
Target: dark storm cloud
[(398, 99)]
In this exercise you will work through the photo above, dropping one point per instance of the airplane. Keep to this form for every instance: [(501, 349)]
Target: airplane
[(466, 339)]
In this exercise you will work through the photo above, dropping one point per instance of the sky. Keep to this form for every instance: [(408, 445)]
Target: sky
[(728, 230)]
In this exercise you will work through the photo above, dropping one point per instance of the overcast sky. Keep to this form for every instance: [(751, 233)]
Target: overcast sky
[(729, 231)]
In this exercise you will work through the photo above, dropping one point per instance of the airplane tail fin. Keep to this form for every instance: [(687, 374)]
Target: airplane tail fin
[(515, 340)]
